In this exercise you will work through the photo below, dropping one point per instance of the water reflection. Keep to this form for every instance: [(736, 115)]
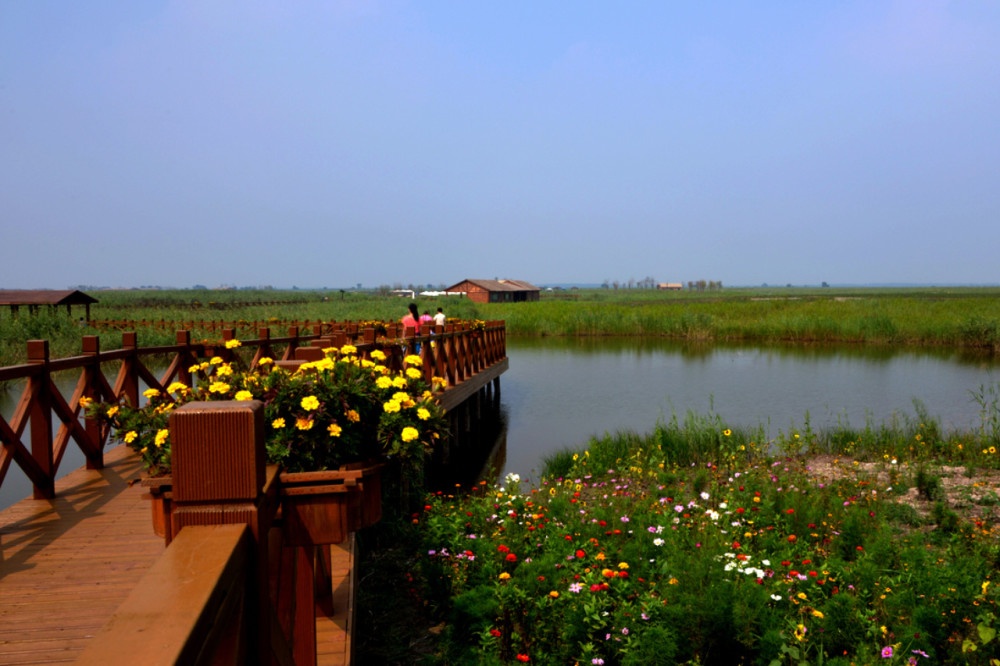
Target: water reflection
[(559, 392)]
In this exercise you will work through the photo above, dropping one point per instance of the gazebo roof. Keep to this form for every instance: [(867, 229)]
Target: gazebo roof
[(45, 297)]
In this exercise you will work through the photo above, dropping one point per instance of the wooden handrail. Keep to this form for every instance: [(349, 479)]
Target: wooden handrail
[(454, 352)]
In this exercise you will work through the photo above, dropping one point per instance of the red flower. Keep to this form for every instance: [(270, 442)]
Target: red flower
[(523, 658), (495, 633), (511, 557), (503, 549), (789, 511), (580, 554), (792, 538)]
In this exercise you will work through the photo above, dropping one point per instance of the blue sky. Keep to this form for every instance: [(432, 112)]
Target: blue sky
[(334, 143)]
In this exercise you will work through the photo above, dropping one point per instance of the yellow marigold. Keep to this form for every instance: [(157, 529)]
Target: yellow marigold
[(310, 403), (365, 363), (347, 350), (381, 370), (334, 430), (232, 344), (215, 360), (194, 368), (244, 395), (399, 382), (623, 565), (278, 423), (423, 414), (504, 576), (554, 594), (177, 387), (352, 416), (151, 393), (378, 355), (600, 556), (303, 423), (130, 436), (413, 373), (383, 382), (324, 364), (413, 359), (161, 437), (219, 387), (330, 350), (409, 434), (224, 370), (265, 360), (401, 396), (439, 381), (86, 402), (112, 411), (391, 406)]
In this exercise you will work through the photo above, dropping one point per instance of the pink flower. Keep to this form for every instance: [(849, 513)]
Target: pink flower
[(887, 652)]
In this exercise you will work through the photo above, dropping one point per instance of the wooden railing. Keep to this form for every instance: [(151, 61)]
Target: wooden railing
[(456, 352)]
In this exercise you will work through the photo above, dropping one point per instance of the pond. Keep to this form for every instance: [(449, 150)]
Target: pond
[(558, 393)]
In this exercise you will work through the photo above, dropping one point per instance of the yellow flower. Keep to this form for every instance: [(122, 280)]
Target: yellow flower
[(800, 632), (554, 594), (817, 613), (232, 344), (423, 414), (391, 407), (194, 368), (218, 387), (623, 565), (278, 423), (599, 556), (378, 355), (161, 437), (727, 432), (409, 434), (330, 350), (151, 393), (399, 382), (383, 382), (347, 350), (413, 373), (413, 359), (265, 360), (310, 403), (504, 576), (303, 423), (353, 416), (224, 370), (177, 387), (112, 410), (244, 395), (439, 381), (215, 360), (86, 402), (334, 430), (130, 436)]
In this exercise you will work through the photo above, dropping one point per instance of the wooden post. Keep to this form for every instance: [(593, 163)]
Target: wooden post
[(92, 389), (41, 418), (218, 464)]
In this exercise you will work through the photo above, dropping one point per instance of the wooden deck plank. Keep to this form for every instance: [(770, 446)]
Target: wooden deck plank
[(67, 564)]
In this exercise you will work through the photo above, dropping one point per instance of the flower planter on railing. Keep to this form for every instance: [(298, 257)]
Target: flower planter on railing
[(324, 507)]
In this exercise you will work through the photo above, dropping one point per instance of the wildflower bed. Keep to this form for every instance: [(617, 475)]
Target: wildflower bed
[(749, 560)]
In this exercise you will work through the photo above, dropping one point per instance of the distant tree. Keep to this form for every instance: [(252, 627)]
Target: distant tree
[(825, 284), (606, 284)]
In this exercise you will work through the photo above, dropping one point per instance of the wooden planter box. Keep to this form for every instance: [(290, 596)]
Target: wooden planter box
[(321, 508), (160, 496)]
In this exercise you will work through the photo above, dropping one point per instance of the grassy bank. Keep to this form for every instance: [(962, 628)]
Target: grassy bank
[(958, 317), (701, 544)]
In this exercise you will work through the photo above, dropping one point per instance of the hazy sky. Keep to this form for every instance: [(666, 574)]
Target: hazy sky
[(331, 143)]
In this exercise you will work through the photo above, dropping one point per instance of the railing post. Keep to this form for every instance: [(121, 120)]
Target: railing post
[(41, 418), (219, 478), (92, 390), (128, 378)]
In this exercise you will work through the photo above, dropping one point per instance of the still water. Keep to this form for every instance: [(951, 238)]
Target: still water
[(558, 393)]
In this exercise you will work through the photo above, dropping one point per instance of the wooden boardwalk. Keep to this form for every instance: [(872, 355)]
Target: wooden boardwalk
[(67, 564)]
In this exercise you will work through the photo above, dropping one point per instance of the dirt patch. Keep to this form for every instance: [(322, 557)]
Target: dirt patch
[(974, 496)]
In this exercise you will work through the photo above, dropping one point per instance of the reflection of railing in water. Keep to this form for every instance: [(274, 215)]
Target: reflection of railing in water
[(457, 352)]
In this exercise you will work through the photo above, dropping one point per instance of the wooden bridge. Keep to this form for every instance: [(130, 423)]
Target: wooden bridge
[(83, 576)]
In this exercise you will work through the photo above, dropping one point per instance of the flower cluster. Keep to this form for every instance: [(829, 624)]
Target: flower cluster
[(343, 408), (760, 562)]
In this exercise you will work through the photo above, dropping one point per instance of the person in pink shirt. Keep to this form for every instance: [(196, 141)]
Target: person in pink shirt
[(412, 318)]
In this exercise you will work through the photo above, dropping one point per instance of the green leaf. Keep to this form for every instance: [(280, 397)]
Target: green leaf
[(986, 633)]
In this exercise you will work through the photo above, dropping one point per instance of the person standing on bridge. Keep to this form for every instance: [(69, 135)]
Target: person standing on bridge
[(439, 318), (412, 318)]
